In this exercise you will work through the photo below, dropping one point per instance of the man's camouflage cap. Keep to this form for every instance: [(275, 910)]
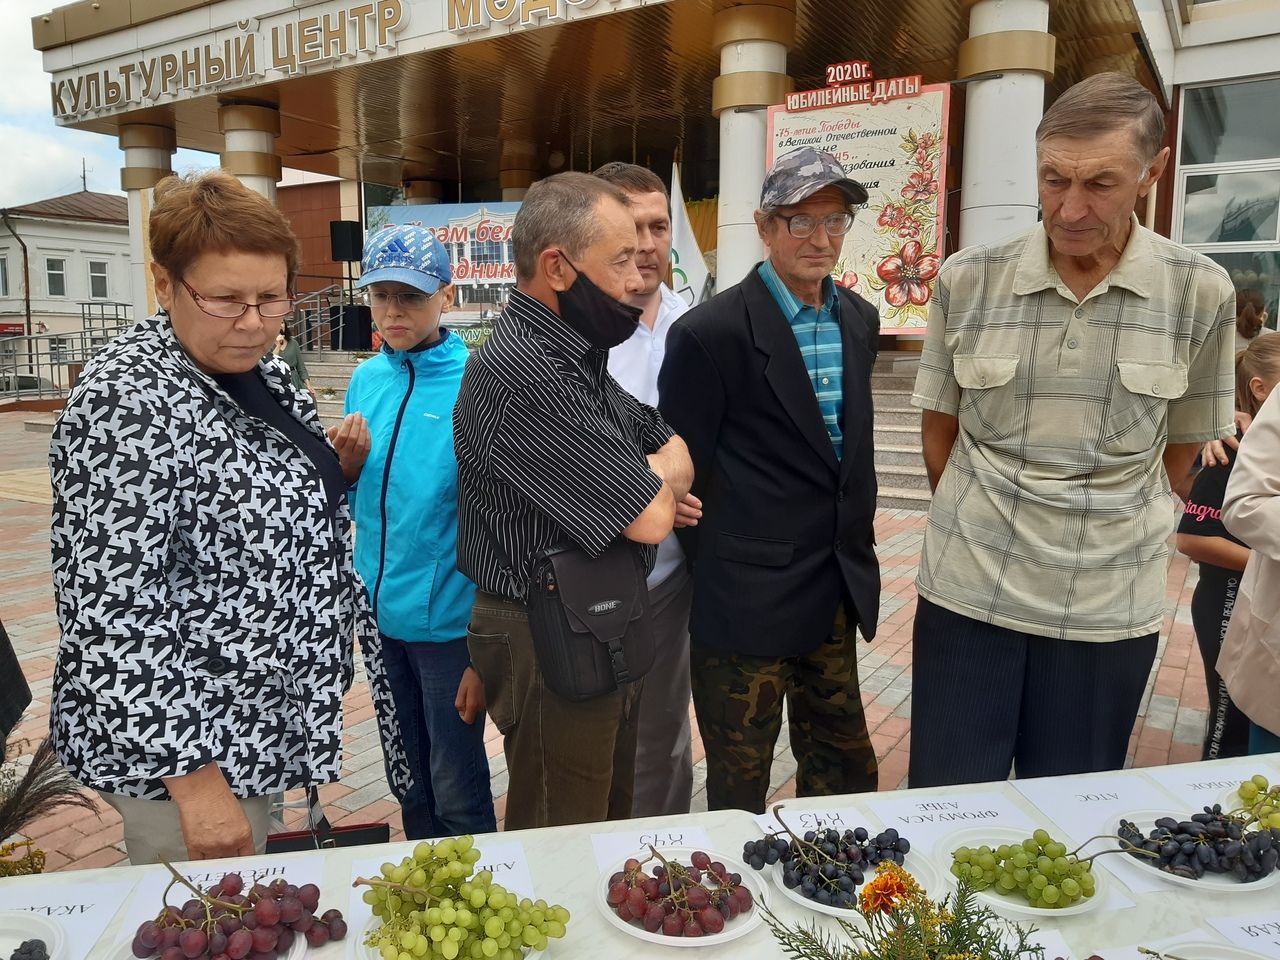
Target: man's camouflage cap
[(802, 173)]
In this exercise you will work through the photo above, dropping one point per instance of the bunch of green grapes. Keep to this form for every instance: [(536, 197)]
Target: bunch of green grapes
[(1261, 800), (432, 907), (1039, 869)]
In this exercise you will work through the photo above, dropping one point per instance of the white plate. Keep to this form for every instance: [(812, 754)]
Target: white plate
[(733, 929), (19, 926), (1230, 800), (1210, 951), (124, 951), (1145, 820), (992, 837), (917, 864), (371, 953)]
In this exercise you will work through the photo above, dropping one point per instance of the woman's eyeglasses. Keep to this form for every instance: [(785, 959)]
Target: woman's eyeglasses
[(225, 308)]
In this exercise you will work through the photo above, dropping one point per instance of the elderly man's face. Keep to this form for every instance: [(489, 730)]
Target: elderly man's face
[(1089, 188), (803, 263)]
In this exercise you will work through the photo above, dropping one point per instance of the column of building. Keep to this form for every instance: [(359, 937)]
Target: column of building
[(148, 159), (753, 41), (249, 132), (1006, 60), (518, 167)]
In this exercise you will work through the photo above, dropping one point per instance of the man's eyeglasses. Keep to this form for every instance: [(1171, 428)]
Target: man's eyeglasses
[(227, 309), (801, 225), (407, 301)]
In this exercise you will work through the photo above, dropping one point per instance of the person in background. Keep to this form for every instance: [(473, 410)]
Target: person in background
[(405, 507), (1222, 557), (1250, 659), (201, 547), (1069, 376), (770, 385), (1251, 317), (664, 741), (287, 349), (15, 694)]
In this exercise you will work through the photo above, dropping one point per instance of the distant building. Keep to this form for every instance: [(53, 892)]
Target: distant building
[(57, 255)]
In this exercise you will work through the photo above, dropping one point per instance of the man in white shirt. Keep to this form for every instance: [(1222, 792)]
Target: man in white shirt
[(664, 748)]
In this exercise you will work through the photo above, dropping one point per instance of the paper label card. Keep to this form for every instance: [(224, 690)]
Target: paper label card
[(1259, 932), (613, 848), (926, 822), (838, 818), (82, 910), (1194, 785)]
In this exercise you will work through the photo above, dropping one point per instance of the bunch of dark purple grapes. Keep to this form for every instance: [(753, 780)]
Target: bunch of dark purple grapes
[(678, 900), (1210, 842), (226, 922), (825, 865)]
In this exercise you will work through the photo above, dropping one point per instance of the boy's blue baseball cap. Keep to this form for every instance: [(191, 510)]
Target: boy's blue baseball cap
[(405, 254)]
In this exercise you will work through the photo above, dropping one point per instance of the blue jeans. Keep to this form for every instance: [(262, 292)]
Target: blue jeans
[(1262, 741), (450, 794)]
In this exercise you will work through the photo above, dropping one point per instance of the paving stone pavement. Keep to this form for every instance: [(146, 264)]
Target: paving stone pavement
[(1168, 729)]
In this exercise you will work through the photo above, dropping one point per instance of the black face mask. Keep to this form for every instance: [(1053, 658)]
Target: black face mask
[(602, 320)]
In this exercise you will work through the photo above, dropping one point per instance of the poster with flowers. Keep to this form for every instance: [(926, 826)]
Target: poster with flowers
[(897, 149)]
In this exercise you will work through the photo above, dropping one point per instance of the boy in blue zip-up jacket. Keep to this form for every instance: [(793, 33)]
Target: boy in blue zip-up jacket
[(406, 516)]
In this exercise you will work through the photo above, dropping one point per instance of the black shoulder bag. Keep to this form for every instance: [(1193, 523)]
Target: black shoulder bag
[(592, 631)]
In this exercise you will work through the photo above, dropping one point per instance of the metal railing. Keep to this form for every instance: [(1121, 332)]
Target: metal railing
[(312, 320), (44, 366)]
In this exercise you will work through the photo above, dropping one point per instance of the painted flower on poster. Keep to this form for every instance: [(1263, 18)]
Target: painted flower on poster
[(906, 267), (908, 275)]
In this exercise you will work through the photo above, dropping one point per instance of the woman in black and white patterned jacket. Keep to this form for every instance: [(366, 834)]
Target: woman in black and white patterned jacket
[(201, 547)]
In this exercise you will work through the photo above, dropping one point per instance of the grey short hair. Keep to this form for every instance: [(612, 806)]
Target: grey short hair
[(559, 212), (1104, 103)]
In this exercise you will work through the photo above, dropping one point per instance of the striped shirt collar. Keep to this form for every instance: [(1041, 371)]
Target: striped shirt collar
[(548, 326), (788, 302), (1134, 270)]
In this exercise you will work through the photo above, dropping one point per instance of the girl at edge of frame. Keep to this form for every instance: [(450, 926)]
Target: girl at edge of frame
[(1222, 557)]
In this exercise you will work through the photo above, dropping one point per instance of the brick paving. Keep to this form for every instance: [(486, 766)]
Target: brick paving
[(1168, 730)]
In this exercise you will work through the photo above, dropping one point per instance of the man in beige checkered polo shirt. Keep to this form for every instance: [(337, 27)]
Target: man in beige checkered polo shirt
[(1068, 374)]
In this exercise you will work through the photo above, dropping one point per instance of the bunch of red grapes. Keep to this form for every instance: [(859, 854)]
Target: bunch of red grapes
[(228, 923), (678, 900)]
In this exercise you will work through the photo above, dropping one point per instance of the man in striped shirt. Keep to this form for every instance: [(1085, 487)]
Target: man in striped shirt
[(770, 385), (551, 451)]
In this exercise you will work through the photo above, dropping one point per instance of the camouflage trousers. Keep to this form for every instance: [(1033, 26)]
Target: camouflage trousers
[(738, 701)]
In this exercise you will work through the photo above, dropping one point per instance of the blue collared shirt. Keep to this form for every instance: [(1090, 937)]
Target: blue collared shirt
[(817, 331)]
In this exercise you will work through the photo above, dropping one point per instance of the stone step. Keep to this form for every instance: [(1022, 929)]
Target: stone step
[(325, 368), (891, 381), (902, 416), (902, 498), (903, 476), (337, 380), (902, 362), (39, 425), (896, 454)]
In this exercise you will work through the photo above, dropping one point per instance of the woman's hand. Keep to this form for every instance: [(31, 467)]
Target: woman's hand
[(351, 440), (213, 822), (470, 699), (280, 342)]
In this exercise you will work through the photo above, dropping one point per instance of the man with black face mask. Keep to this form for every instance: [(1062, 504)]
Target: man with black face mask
[(552, 451)]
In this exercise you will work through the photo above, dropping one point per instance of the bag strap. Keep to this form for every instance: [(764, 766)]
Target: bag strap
[(521, 588), (321, 831)]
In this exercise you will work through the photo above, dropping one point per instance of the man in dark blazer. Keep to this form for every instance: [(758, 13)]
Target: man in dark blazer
[(770, 385)]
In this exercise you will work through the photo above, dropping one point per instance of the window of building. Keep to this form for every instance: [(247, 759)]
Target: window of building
[(98, 279), (1227, 201), (55, 270), (4, 276)]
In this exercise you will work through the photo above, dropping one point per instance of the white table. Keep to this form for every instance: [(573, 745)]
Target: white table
[(563, 868)]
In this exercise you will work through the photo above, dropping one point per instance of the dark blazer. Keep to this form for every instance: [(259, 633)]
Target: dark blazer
[(786, 533), (15, 695)]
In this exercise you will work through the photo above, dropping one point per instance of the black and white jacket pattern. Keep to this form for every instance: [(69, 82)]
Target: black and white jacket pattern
[(205, 592)]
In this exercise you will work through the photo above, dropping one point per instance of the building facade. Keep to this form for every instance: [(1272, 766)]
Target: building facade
[(472, 100)]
